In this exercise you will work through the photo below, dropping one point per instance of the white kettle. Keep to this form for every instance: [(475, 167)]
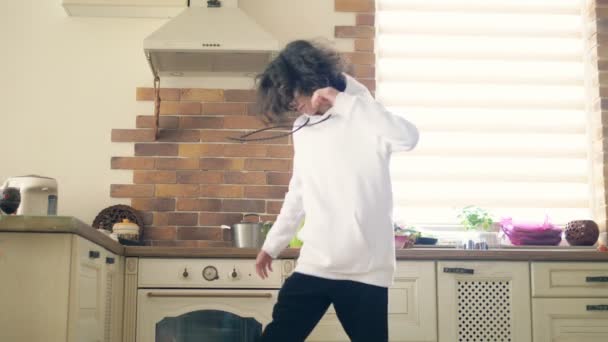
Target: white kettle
[(38, 194)]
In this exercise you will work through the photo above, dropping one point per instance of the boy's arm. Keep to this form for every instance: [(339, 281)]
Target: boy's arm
[(398, 132)]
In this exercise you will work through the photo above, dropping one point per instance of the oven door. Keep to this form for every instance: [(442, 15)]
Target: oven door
[(192, 315)]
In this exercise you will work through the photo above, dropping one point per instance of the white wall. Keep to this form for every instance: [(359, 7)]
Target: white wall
[(65, 82)]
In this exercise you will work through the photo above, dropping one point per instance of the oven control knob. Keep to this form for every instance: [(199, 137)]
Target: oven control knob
[(185, 274), (210, 273), (234, 275)]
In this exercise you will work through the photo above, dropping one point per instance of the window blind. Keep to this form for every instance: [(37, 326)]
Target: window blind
[(496, 88)]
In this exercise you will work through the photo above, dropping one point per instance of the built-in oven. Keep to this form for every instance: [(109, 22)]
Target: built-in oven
[(210, 300)]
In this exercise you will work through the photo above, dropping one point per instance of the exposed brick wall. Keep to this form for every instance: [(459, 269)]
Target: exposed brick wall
[(363, 59), (193, 179)]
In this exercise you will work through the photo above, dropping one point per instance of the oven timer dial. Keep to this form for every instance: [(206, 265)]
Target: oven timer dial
[(210, 273)]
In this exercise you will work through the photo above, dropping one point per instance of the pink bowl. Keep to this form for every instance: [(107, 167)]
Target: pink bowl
[(402, 241)]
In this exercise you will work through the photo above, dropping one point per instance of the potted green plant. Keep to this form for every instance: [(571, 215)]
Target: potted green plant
[(475, 218), (479, 225)]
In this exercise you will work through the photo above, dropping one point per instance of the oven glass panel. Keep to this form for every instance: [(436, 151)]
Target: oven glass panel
[(208, 326)]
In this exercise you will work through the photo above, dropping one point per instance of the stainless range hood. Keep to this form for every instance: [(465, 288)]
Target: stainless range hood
[(210, 38)]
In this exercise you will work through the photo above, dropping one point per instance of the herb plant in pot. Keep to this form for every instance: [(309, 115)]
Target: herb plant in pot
[(479, 225)]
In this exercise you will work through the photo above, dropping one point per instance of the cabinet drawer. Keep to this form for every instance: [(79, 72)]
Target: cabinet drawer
[(412, 307), (569, 279), (572, 320)]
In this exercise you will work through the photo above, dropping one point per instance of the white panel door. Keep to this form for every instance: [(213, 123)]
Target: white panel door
[(89, 292), (412, 308), (484, 301)]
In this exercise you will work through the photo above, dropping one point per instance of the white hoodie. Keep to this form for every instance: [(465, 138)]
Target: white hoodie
[(341, 183)]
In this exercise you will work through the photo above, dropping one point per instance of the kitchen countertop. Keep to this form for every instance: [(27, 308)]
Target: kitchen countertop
[(58, 224), (423, 253), (67, 224)]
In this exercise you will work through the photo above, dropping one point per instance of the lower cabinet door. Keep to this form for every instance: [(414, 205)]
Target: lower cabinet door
[(412, 308), (484, 301)]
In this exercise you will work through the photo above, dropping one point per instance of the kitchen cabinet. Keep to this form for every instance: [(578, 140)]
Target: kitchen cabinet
[(569, 279), (86, 306), (95, 306), (570, 319), (114, 294), (59, 287), (125, 8), (570, 301), (412, 307), (484, 301)]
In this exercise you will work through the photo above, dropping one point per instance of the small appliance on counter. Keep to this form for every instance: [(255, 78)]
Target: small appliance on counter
[(38, 194)]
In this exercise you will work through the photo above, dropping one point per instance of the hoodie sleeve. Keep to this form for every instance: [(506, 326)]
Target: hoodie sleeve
[(399, 133), (289, 219)]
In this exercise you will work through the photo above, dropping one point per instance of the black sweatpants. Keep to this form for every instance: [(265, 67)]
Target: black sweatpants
[(361, 308)]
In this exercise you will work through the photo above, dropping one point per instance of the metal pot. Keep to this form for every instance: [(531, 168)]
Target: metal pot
[(248, 234)]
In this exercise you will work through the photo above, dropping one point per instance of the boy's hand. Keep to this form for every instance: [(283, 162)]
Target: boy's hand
[(324, 96), (263, 263)]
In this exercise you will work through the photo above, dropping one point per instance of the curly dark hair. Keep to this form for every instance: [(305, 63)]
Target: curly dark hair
[(303, 67)]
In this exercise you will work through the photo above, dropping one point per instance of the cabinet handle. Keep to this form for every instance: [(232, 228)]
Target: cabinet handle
[(600, 307), (109, 260), (458, 270), (93, 254), (210, 295), (597, 279)]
